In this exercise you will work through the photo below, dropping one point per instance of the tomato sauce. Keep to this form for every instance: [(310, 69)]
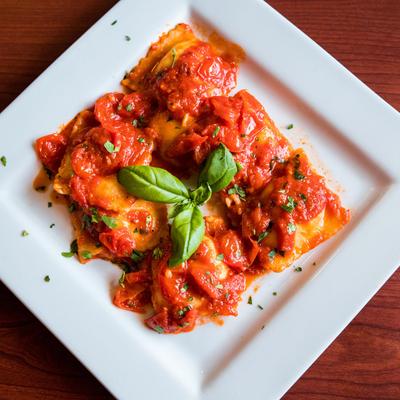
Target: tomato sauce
[(273, 196)]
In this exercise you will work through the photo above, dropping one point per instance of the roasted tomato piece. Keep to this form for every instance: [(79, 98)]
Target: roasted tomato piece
[(286, 230), (134, 293), (185, 144), (51, 149), (197, 74), (232, 247), (119, 241), (135, 106), (166, 322), (255, 221), (232, 288)]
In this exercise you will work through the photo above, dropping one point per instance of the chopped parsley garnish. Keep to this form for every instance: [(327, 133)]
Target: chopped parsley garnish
[(95, 216), (110, 147), (114, 22), (141, 140), (49, 204), (290, 205), (298, 175), (184, 310), (272, 254), (87, 255), (220, 257), (46, 278), (157, 253), (173, 57), (303, 196), (239, 166), (73, 250), (3, 160), (24, 233), (109, 221), (298, 269), (158, 329), (219, 286), (290, 126), (236, 189), (148, 220), (185, 287), (291, 227), (52, 226), (121, 280), (135, 123), (137, 256), (72, 207), (260, 307), (262, 236), (216, 130), (274, 293), (127, 38), (129, 107), (250, 300)]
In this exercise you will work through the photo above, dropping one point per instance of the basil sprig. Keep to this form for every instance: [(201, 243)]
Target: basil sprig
[(158, 185), (187, 232), (152, 184), (219, 169)]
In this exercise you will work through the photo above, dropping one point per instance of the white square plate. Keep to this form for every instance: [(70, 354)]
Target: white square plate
[(352, 130)]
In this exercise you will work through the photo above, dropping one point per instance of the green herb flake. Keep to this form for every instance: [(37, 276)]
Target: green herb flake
[(135, 123), (220, 257), (157, 253), (298, 269), (236, 189), (110, 147), (3, 160), (262, 236), (40, 188), (298, 175), (290, 205), (274, 293), (303, 196), (87, 255), (137, 256), (127, 38), (260, 307), (49, 204), (250, 300), (239, 166), (114, 22), (272, 254), (291, 228), (185, 287), (290, 126), (121, 280), (219, 286), (73, 249), (109, 221), (141, 140), (72, 207), (129, 107), (52, 226), (24, 233), (216, 131), (158, 329), (46, 278)]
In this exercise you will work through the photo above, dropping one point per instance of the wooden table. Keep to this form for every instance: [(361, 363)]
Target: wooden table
[(364, 361)]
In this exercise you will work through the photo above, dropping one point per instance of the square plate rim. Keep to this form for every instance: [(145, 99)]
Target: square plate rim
[(387, 199)]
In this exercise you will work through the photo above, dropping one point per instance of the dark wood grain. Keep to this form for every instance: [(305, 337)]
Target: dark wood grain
[(364, 361)]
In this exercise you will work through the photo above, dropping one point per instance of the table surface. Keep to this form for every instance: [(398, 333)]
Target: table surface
[(364, 361)]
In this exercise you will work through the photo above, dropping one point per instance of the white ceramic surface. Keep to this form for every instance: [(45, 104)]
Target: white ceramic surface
[(348, 131)]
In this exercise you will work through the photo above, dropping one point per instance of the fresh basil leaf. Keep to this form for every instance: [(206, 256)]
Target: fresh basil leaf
[(152, 184), (201, 194), (178, 208), (187, 232), (109, 221), (219, 169)]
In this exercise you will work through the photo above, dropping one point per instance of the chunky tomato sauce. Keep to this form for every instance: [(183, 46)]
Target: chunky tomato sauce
[(275, 209)]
